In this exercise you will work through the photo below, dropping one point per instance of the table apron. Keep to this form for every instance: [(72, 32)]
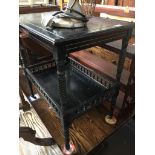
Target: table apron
[(79, 44), (87, 43)]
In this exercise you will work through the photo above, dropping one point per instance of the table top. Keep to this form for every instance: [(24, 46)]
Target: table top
[(95, 26)]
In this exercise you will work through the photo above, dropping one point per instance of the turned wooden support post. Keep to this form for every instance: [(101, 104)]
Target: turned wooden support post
[(63, 100), (110, 119), (60, 62), (122, 54), (22, 35)]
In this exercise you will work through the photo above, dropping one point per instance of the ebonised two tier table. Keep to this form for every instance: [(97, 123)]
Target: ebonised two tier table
[(68, 86)]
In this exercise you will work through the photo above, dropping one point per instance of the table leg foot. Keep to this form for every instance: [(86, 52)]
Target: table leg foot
[(71, 151), (110, 119)]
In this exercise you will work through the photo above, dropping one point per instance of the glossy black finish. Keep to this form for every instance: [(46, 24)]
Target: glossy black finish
[(95, 25), (82, 92), (68, 86)]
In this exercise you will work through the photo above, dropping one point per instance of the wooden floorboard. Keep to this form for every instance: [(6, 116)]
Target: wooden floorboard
[(86, 132)]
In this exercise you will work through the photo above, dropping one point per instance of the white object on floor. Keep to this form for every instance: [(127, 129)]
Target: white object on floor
[(110, 120), (34, 99)]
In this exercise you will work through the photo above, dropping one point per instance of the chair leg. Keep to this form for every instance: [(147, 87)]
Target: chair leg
[(25, 105), (28, 134)]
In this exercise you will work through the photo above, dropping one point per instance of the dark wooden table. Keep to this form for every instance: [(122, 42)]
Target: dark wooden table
[(69, 87)]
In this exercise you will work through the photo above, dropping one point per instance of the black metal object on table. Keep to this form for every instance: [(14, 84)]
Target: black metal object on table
[(68, 86)]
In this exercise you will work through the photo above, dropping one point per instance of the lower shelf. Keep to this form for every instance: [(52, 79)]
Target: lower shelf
[(81, 129), (82, 92)]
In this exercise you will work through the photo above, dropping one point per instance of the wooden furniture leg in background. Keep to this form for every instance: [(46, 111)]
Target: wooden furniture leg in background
[(24, 104), (28, 134)]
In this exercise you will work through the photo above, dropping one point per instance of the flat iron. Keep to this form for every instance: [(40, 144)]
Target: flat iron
[(72, 17)]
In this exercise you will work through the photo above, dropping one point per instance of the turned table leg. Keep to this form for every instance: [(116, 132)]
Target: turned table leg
[(67, 148), (110, 119), (63, 99)]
